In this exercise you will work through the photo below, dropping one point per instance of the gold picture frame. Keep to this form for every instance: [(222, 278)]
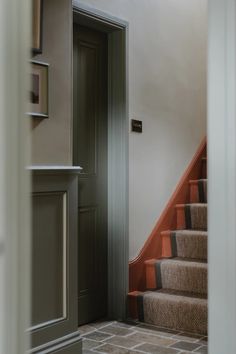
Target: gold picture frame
[(37, 21), (38, 105)]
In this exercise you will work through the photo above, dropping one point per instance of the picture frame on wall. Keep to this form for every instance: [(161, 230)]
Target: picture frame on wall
[(37, 22), (38, 105)]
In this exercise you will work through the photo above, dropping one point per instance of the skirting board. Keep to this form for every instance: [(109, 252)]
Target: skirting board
[(70, 344)]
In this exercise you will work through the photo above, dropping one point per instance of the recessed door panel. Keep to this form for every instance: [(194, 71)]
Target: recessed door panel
[(49, 258), (90, 152), (54, 258), (88, 106), (87, 249)]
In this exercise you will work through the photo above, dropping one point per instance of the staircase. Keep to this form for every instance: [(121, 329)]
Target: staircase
[(176, 284)]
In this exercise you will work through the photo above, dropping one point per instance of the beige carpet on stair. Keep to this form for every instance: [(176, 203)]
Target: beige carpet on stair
[(174, 311), (191, 244), (184, 275), (180, 303), (198, 216)]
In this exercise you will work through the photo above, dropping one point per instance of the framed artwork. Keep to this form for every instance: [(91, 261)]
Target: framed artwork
[(38, 106), (37, 21)]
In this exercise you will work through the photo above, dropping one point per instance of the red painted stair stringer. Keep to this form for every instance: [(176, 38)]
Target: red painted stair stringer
[(157, 245)]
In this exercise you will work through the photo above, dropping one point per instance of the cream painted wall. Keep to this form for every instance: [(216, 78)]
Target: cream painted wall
[(51, 138), (167, 90)]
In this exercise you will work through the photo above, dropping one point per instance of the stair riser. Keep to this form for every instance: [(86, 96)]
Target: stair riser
[(198, 191), (191, 217), (176, 277), (179, 279), (133, 304), (180, 218), (183, 278), (184, 314), (204, 169), (193, 247), (150, 271), (196, 217)]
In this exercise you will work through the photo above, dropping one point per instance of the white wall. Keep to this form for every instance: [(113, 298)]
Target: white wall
[(167, 90)]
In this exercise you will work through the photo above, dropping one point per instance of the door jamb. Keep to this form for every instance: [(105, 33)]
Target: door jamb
[(118, 152), (15, 219), (222, 172)]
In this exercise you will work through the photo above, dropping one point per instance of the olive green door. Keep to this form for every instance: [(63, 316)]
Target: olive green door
[(90, 152)]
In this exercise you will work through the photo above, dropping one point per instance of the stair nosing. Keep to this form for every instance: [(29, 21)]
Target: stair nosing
[(183, 294)]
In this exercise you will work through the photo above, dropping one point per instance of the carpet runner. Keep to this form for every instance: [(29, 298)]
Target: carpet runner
[(176, 298)]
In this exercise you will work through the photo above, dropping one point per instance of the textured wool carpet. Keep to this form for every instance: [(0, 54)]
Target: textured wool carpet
[(189, 244), (180, 299)]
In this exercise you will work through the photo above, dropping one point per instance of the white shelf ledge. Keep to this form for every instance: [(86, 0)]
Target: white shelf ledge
[(54, 168)]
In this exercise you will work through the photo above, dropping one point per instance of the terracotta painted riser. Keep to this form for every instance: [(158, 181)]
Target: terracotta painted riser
[(150, 274), (204, 168), (194, 192), (180, 216), (166, 244), (133, 304)]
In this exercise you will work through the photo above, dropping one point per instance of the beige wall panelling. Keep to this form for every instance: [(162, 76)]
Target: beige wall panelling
[(52, 137)]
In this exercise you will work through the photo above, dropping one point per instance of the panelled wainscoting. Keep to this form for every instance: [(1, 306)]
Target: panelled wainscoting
[(54, 261)]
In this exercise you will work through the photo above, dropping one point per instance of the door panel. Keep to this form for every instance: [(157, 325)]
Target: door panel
[(90, 152), (54, 259), (87, 108)]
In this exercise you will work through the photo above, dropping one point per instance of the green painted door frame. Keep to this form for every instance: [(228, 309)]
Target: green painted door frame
[(118, 126)]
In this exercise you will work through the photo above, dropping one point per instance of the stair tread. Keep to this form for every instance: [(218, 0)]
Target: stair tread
[(182, 274), (175, 293), (198, 180), (185, 232), (191, 232), (179, 281), (173, 309), (184, 261), (190, 244), (200, 205), (178, 260)]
